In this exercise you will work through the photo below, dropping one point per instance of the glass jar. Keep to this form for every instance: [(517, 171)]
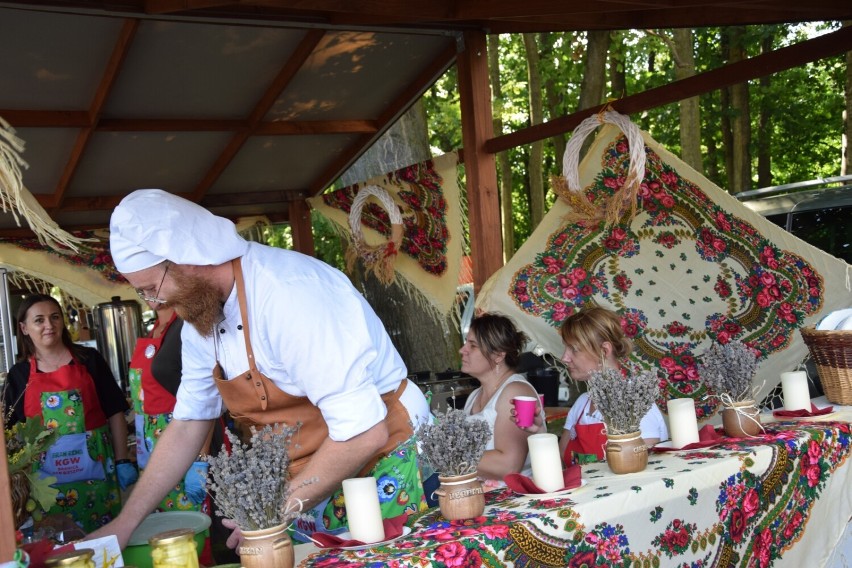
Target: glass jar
[(174, 549), (82, 558)]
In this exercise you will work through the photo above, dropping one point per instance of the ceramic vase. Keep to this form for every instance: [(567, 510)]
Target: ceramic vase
[(626, 453), (741, 420), (460, 496), (267, 548)]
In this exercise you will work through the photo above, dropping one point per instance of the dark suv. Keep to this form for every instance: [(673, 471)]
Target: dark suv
[(818, 211)]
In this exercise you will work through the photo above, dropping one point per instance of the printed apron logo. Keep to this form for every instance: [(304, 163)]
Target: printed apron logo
[(69, 460)]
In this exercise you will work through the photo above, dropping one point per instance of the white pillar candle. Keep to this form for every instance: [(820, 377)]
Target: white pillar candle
[(683, 425), (361, 496), (794, 385), (546, 461)]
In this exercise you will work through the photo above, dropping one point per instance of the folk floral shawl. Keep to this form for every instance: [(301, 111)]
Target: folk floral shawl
[(429, 259), (694, 266)]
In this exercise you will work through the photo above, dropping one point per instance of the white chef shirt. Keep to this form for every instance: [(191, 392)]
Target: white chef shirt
[(313, 334)]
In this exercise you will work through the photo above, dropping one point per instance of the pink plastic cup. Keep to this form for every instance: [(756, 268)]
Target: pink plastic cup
[(525, 410)]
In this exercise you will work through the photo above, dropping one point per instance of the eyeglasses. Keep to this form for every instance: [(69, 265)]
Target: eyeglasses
[(156, 299)]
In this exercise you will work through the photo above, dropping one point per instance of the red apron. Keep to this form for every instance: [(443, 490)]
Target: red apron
[(590, 441), (65, 378), (64, 395), (155, 398)]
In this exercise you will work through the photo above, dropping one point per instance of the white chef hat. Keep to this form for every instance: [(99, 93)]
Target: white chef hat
[(151, 225)]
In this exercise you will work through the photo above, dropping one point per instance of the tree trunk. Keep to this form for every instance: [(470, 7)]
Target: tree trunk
[(554, 93), (536, 157), (846, 160), (423, 343), (740, 121), (727, 135), (594, 75), (617, 59), (764, 136), (690, 118), (503, 164)]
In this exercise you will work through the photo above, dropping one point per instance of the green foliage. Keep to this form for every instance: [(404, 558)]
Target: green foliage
[(327, 243), (25, 441), (804, 104)]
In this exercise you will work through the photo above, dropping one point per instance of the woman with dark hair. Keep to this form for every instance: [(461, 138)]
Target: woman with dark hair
[(491, 353), (71, 388), (594, 340)]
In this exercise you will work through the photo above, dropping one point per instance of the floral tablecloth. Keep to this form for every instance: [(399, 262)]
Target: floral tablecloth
[(783, 498)]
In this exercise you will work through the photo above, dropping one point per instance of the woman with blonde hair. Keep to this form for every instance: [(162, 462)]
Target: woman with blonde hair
[(594, 340)]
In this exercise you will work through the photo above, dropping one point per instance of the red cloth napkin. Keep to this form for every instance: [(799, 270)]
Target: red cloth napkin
[(40, 550), (707, 436), (814, 411), (393, 529), (523, 484)]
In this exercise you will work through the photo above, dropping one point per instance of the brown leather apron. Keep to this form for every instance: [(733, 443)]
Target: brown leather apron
[(253, 399)]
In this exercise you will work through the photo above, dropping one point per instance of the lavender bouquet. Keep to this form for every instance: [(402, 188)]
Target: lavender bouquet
[(453, 445), (251, 485), (623, 401), (727, 370)]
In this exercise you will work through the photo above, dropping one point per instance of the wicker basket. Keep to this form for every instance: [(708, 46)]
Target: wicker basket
[(20, 489), (832, 352)]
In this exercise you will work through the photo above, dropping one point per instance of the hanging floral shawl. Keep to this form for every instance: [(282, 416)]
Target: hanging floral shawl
[(87, 274), (694, 266), (427, 260)]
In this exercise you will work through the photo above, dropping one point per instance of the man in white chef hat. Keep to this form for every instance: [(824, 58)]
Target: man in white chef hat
[(319, 350)]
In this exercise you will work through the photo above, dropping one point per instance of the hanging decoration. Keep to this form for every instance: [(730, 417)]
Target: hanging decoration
[(16, 199), (429, 250), (377, 259), (611, 209), (692, 267)]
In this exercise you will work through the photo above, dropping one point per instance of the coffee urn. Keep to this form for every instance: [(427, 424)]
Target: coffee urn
[(118, 324)]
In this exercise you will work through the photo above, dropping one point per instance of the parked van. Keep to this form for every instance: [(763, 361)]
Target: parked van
[(817, 211)]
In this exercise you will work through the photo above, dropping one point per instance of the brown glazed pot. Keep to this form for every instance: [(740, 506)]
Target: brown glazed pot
[(741, 420), (267, 548), (626, 453), (460, 497)]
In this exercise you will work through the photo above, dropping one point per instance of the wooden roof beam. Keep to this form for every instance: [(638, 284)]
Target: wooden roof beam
[(119, 52), (338, 165), (834, 43), (285, 75)]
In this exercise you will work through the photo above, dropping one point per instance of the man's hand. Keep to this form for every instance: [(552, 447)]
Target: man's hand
[(236, 537)]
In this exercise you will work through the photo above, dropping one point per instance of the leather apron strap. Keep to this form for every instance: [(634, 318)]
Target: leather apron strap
[(253, 399)]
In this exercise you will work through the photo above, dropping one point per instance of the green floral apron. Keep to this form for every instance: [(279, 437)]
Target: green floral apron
[(82, 461)]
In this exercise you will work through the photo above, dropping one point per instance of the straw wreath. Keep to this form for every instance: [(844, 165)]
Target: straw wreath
[(378, 259)]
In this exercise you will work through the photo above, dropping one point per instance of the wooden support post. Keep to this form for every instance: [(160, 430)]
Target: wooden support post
[(7, 521), (486, 240), (300, 223)]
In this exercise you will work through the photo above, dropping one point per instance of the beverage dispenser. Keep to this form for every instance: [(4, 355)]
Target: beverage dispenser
[(117, 325)]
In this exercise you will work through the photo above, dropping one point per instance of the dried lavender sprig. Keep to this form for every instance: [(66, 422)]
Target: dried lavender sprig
[(252, 483), (453, 445), (623, 401), (729, 369)]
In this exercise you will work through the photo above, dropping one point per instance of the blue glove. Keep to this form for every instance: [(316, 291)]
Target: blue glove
[(195, 482), (127, 473)]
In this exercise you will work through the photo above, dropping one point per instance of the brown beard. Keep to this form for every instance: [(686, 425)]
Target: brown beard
[(197, 303)]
